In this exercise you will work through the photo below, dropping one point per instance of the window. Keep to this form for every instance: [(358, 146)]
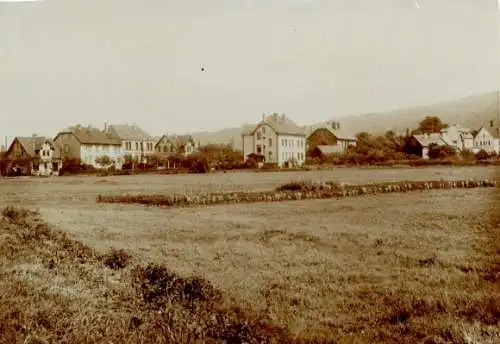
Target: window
[(263, 130), (270, 142), (165, 149), (258, 135), (137, 146), (259, 149), (270, 155)]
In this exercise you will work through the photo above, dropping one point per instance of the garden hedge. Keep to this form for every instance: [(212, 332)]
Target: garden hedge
[(293, 191)]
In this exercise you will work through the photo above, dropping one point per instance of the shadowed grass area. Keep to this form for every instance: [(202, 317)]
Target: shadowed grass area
[(57, 290), (399, 289)]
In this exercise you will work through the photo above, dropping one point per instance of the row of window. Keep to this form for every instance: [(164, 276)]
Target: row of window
[(170, 149), (99, 149), (482, 143), (299, 143), (89, 159), (148, 146), (293, 155), (46, 153)]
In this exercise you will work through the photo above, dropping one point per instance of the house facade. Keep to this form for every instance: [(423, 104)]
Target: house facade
[(329, 134), (184, 144), (276, 139), (135, 142), (164, 145), (90, 145), (487, 139), (422, 143), (35, 155), (458, 137)]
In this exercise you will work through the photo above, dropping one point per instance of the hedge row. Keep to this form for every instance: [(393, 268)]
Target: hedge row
[(292, 191)]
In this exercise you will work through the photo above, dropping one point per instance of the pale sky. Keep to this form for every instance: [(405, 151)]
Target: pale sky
[(64, 62)]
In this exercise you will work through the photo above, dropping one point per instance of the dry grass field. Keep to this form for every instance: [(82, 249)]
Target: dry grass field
[(421, 267)]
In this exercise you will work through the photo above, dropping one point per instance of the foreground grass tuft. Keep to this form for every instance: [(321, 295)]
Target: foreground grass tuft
[(116, 259)]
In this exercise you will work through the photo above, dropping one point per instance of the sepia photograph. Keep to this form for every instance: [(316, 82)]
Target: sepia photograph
[(250, 171)]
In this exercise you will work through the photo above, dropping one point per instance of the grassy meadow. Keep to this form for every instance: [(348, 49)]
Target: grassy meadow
[(421, 267)]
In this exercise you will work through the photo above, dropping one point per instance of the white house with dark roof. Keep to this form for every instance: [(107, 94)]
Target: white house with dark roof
[(135, 142), (88, 144), (458, 137), (275, 139), (488, 138)]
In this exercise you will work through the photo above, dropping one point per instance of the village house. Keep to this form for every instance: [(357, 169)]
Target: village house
[(488, 139), (176, 144), (90, 145), (136, 143), (184, 144), (458, 137), (275, 139), (330, 137), (35, 155), (422, 143)]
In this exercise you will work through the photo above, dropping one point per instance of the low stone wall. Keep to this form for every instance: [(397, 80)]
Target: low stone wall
[(318, 192)]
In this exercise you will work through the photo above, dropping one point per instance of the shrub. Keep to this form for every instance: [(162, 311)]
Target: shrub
[(116, 259), (482, 155), (158, 285), (16, 214)]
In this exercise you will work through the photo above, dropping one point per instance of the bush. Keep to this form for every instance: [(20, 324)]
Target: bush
[(158, 285), (116, 259), (482, 155)]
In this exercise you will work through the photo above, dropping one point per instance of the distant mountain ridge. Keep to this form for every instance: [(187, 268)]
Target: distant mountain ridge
[(471, 111)]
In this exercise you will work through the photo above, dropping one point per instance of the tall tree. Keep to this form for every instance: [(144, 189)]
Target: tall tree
[(431, 124)]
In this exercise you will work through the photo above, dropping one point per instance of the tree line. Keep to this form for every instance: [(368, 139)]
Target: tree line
[(392, 148)]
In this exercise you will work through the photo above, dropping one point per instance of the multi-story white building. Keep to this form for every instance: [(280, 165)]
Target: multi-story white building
[(488, 139), (276, 139), (89, 145), (458, 137), (135, 142)]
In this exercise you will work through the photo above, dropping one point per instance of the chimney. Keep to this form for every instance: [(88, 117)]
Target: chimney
[(491, 123), (282, 118), (34, 135), (338, 125), (263, 117), (106, 127)]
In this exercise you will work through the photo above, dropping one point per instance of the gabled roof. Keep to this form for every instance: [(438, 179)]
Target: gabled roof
[(281, 124), (92, 136), (33, 144), (427, 139), (329, 149), (181, 140), (130, 132), (340, 134), (494, 132)]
